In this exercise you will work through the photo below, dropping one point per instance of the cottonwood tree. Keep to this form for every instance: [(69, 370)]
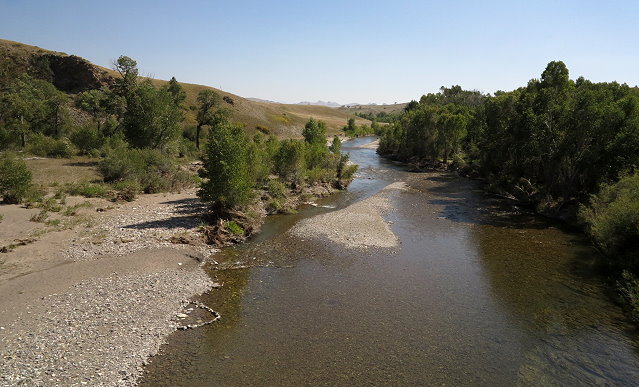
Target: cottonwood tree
[(226, 174)]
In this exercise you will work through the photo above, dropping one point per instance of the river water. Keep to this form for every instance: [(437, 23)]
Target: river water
[(477, 293)]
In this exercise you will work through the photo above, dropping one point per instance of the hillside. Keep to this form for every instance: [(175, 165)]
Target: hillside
[(73, 74), (373, 109)]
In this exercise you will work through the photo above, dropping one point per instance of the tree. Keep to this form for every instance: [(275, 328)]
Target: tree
[(151, 119), (93, 102), (176, 90), (32, 105), (227, 182), (315, 132), (208, 100), (336, 146), (290, 160)]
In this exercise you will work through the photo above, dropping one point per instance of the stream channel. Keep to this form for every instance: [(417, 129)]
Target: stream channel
[(478, 292)]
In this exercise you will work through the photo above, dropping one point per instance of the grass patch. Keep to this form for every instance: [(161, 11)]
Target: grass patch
[(86, 189), (234, 228)]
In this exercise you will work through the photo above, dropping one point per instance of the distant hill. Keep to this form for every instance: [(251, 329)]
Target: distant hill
[(73, 74), (373, 108), (320, 103)]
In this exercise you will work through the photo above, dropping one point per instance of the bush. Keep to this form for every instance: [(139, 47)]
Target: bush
[(151, 169), (41, 145), (86, 189), (87, 139), (612, 220), (234, 228), (317, 175), (15, 179), (276, 188)]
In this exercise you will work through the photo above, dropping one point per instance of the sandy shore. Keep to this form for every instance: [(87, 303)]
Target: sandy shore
[(360, 225), (91, 303)]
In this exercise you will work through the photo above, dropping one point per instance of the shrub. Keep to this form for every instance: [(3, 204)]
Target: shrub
[(612, 220), (234, 228), (41, 145), (15, 179), (276, 188), (151, 169), (87, 139), (317, 175), (86, 189), (628, 286)]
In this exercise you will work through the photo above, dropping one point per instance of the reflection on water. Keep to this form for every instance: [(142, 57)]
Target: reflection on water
[(474, 295)]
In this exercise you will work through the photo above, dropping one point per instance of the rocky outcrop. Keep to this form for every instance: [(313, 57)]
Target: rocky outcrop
[(73, 74)]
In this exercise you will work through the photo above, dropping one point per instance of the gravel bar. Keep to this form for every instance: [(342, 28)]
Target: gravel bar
[(100, 332)]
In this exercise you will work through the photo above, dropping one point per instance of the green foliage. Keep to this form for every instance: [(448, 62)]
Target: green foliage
[(208, 112), (276, 188), (87, 138), (151, 119), (41, 145), (15, 179), (176, 90), (289, 161), (336, 146), (86, 189), (227, 180), (612, 220), (153, 170), (628, 286), (315, 132), (234, 228), (30, 105)]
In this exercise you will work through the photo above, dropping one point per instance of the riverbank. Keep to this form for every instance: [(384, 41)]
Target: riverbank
[(91, 305), (93, 298)]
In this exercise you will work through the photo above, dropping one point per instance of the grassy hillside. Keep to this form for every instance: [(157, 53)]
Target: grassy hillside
[(374, 109), (282, 120)]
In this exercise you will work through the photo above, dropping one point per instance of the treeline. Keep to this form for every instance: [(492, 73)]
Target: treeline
[(379, 116), (553, 143), (353, 130)]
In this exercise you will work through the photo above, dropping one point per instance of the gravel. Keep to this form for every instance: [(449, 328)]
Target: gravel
[(360, 225), (99, 332), (147, 223), (101, 329)]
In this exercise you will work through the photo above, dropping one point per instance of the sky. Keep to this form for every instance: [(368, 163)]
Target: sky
[(343, 51)]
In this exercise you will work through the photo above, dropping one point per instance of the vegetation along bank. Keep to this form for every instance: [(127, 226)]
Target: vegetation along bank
[(568, 148)]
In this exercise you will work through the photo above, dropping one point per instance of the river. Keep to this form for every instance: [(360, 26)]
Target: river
[(478, 292)]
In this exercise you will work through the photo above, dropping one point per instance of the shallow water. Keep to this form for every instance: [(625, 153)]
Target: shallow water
[(478, 293)]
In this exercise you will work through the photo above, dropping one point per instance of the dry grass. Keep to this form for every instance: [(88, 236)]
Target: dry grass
[(395, 108), (46, 172)]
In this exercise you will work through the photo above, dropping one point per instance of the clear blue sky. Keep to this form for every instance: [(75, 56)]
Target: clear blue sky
[(344, 51)]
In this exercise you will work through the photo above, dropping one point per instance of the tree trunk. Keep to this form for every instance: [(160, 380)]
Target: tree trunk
[(22, 134), (197, 136)]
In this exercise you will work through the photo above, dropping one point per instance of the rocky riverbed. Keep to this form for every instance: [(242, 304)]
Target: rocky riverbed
[(92, 305)]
